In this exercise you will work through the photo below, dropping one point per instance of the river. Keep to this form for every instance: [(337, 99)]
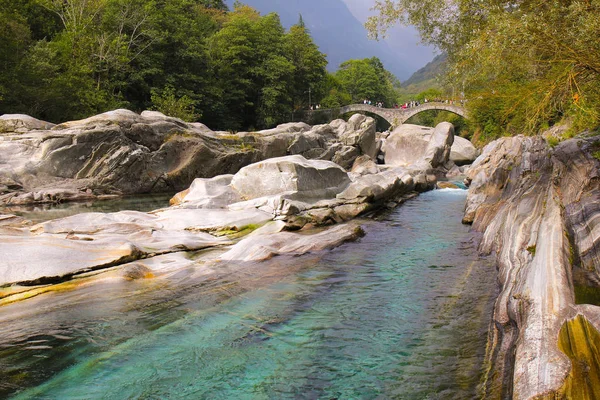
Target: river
[(403, 313)]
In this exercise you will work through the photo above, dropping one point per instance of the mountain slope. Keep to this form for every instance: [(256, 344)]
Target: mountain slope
[(426, 77)]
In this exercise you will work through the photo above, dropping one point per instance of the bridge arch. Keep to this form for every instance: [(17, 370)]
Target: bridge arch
[(394, 116)]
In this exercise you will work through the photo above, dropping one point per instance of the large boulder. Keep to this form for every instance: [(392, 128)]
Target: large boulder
[(406, 144), (359, 132), (462, 152), (291, 175), (418, 146), (437, 152)]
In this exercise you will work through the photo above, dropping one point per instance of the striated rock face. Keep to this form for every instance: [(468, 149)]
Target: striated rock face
[(121, 152), (538, 210)]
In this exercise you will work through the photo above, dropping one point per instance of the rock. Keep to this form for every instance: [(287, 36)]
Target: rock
[(453, 170), (292, 127), (208, 193), (55, 250), (135, 271), (462, 151), (364, 165), (529, 202), (208, 220), (406, 144), (447, 185), (22, 123), (41, 259), (323, 216), (291, 174), (437, 152), (264, 247), (305, 143), (347, 212), (412, 145), (421, 183), (11, 220), (360, 132), (377, 187), (346, 156), (121, 152)]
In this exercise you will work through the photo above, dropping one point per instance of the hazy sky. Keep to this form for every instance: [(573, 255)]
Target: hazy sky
[(403, 40)]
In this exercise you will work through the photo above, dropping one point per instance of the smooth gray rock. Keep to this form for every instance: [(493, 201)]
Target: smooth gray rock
[(406, 144), (360, 132), (437, 152), (376, 187), (208, 193), (291, 174), (56, 249), (345, 156), (364, 165), (462, 151), (265, 246)]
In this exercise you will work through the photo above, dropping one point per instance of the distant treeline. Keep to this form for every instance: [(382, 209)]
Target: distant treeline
[(67, 59)]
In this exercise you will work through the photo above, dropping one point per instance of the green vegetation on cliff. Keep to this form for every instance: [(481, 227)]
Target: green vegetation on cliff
[(525, 65)]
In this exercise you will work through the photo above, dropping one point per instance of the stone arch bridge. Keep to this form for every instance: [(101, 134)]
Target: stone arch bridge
[(394, 116)]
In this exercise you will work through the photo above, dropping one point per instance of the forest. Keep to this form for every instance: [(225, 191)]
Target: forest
[(193, 59)]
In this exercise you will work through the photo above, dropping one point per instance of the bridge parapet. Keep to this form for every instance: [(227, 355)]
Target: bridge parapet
[(394, 116)]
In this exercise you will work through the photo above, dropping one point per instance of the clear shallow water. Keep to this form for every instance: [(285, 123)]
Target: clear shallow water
[(44, 212), (401, 314)]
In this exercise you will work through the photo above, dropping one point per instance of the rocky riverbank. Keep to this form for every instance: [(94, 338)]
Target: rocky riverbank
[(121, 152), (266, 200), (538, 208)]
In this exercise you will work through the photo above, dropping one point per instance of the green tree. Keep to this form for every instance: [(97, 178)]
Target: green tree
[(367, 79), (336, 95), (308, 62), (167, 102), (532, 62)]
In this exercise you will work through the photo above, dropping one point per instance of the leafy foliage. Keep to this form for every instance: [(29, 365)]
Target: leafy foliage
[(66, 59), (169, 104), (359, 80), (525, 64)]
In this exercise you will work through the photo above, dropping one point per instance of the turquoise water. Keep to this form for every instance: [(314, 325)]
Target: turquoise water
[(401, 314)]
